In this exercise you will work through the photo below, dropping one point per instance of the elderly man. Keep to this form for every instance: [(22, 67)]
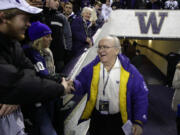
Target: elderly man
[(116, 91), (18, 81), (61, 33)]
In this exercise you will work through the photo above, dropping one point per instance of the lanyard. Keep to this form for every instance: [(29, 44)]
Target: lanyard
[(105, 84)]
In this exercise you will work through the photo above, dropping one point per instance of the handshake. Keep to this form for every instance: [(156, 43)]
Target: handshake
[(68, 85)]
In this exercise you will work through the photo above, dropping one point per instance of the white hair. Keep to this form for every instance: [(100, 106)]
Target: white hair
[(117, 43), (85, 9)]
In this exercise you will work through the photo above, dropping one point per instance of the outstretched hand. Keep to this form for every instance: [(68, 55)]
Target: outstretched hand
[(71, 85), (68, 85)]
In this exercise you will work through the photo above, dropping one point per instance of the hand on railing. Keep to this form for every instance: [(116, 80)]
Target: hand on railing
[(88, 40)]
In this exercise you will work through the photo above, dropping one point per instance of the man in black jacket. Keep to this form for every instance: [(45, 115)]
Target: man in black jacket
[(18, 81), (61, 32)]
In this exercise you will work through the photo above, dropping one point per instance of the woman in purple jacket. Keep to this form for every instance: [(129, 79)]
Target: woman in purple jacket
[(42, 113), (81, 35)]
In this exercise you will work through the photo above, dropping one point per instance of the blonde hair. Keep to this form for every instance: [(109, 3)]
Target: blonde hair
[(37, 44)]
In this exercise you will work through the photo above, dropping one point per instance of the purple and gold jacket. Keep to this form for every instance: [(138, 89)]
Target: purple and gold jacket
[(133, 94)]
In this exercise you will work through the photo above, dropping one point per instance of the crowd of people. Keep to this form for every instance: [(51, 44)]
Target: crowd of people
[(38, 38)]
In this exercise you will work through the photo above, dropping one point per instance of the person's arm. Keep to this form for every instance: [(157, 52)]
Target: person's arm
[(20, 86), (82, 81), (176, 79), (166, 5), (103, 13), (139, 102)]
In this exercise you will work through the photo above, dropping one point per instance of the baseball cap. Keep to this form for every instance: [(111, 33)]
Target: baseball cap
[(38, 30), (19, 4)]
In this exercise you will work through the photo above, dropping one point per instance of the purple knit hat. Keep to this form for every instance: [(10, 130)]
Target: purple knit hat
[(38, 30)]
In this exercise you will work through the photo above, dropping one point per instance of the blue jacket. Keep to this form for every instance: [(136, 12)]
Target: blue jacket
[(133, 90)]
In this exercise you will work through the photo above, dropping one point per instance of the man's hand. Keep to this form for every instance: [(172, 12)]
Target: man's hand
[(137, 130), (68, 86), (64, 83), (71, 85), (6, 109)]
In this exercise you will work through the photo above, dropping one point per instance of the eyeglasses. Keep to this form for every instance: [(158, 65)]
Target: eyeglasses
[(105, 47)]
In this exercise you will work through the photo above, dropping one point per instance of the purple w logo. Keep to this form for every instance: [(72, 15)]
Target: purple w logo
[(156, 28)]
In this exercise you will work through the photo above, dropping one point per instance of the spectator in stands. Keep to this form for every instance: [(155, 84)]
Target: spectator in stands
[(116, 91), (61, 32), (40, 35), (18, 81), (61, 5), (104, 1), (116, 5), (81, 31), (37, 51), (142, 4), (68, 12), (76, 5), (95, 9), (96, 18), (61, 43), (106, 10), (171, 4), (100, 19), (154, 4), (132, 4)]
